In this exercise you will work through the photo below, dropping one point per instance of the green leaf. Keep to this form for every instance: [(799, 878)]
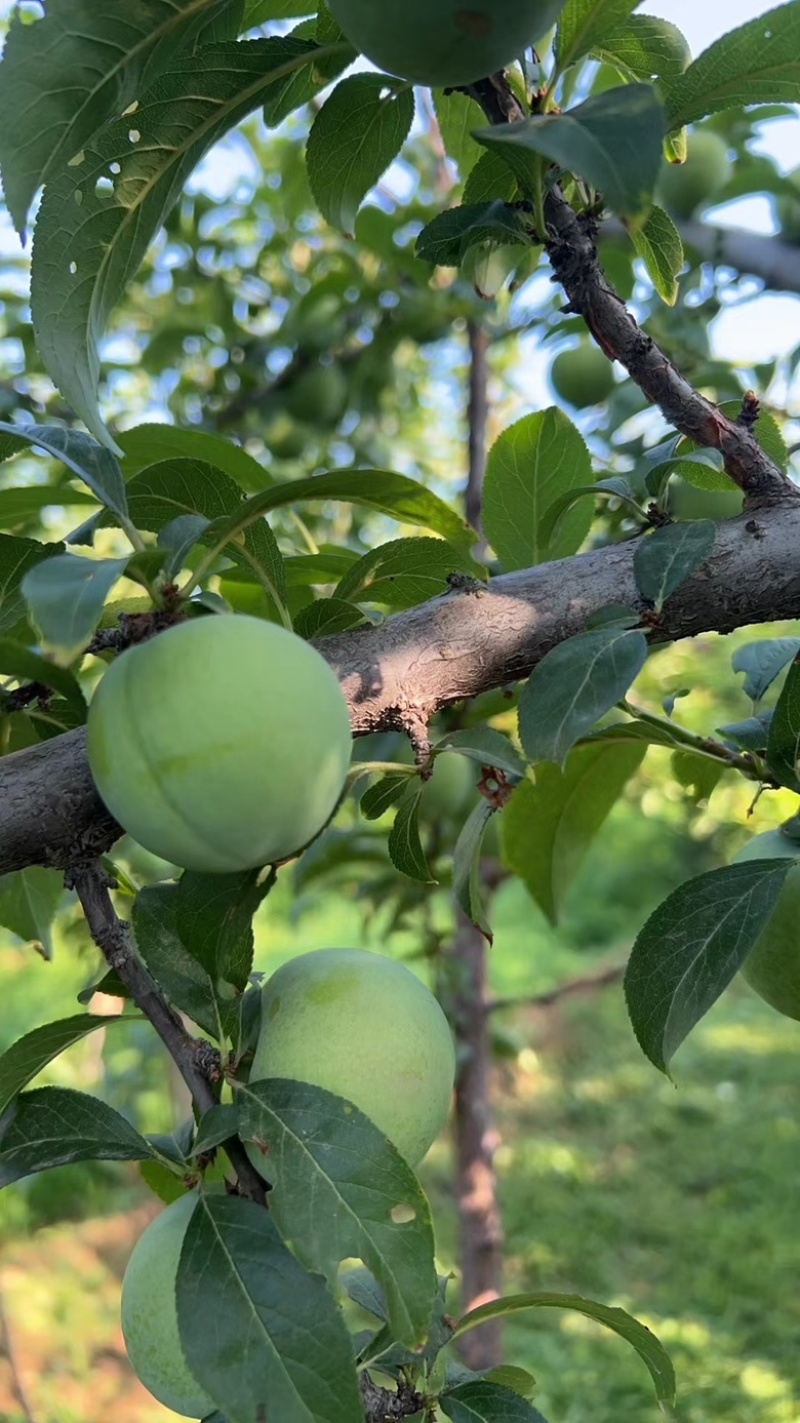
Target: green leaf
[(404, 572), (612, 140), (19, 505), (491, 180), (259, 12), (25, 1059), (326, 616), (405, 850), (303, 86), (327, 565), (758, 63), (98, 217), (703, 466), (467, 886), (783, 738), (645, 48), (66, 596), (214, 921), (336, 1181), (659, 245), (647, 1346), (149, 444), (749, 735), (691, 947), (573, 686), (28, 902), (64, 76), (615, 487), (664, 559), (96, 466), (398, 496), (762, 662), (357, 133), (257, 1331), (486, 746), (449, 236), (17, 555), (23, 664), (215, 1127), (379, 798), (583, 22), (510, 1376), (549, 826), (53, 1126), (457, 115), (185, 983), (532, 463), (484, 1401)]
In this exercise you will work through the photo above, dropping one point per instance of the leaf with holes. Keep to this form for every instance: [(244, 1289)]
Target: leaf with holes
[(53, 1126), (691, 947), (582, 23), (341, 1190), (28, 903), (98, 217), (357, 133), (758, 63), (533, 463), (783, 739), (573, 686), (255, 1328), (664, 559), (612, 140), (65, 598), (659, 245)]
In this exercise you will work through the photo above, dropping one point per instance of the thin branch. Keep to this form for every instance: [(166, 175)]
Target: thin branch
[(573, 986), (195, 1059)]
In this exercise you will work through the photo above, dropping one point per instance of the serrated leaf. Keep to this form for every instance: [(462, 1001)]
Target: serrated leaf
[(457, 115), (533, 463), (645, 47), (150, 444), (98, 216), (663, 560), (491, 180), (691, 947), (357, 133), (22, 663), (53, 1126), (183, 980), (335, 1182), (66, 596), (24, 1060), (573, 686), (486, 1401), (762, 662), (109, 58), (377, 799), (758, 63), (95, 465), (449, 236), (303, 85), (405, 849), (783, 738), (650, 1350), (257, 1331), (404, 572), (549, 826), (325, 616), (487, 747), (467, 887), (612, 140), (28, 902), (659, 245), (214, 921), (583, 22)]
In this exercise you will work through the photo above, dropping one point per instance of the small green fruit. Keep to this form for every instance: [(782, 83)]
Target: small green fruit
[(319, 395), (451, 791), (772, 968), (444, 43), (582, 376), (364, 1027), (688, 502), (150, 1315), (684, 187), (221, 744), (285, 438)]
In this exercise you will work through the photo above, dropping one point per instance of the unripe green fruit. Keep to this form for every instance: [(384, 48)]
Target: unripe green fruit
[(150, 1315), (772, 968), (221, 744), (683, 187), (319, 395), (285, 438), (444, 42), (688, 502), (451, 791), (582, 376), (364, 1027)]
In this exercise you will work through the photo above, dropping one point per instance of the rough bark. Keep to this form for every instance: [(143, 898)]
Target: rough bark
[(453, 647)]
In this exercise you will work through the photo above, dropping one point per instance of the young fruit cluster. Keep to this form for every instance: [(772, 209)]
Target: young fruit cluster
[(360, 1026)]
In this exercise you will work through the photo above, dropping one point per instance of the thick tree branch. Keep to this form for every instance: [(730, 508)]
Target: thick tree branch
[(453, 647), (92, 885)]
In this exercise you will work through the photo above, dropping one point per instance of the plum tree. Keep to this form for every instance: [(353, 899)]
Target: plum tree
[(364, 1027), (441, 42), (582, 376), (684, 187), (150, 1317), (222, 744), (772, 968)]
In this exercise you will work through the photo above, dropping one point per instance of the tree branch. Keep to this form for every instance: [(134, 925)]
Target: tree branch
[(381, 1405), (191, 1055), (451, 648)]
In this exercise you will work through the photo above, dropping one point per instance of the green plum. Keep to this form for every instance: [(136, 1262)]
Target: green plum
[(772, 968), (443, 43), (221, 744), (364, 1027), (582, 376), (684, 187), (150, 1316)]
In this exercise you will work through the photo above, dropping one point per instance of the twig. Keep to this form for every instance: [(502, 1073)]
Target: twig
[(195, 1060), (383, 1406), (18, 1381), (564, 990)]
